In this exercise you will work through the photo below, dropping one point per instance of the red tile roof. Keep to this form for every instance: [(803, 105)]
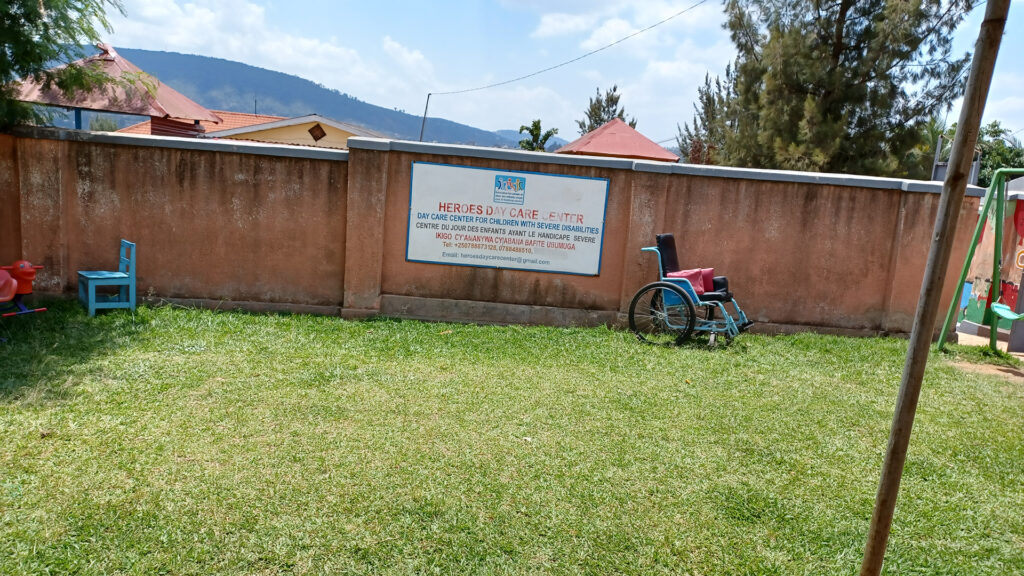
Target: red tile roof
[(230, 121), (156, 100), (617, 138), (140, 128)]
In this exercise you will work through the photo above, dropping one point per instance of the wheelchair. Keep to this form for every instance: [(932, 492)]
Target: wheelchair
[(665, 312)]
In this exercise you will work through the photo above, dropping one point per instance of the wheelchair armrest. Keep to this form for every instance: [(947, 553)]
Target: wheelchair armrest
[(720, 283)]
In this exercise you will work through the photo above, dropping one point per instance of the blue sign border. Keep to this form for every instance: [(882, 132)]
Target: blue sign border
[(604, 215)]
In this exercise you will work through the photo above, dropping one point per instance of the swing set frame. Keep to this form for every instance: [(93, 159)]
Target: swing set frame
[(996, 192)]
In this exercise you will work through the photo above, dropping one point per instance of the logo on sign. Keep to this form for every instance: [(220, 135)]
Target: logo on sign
[(510, 189)]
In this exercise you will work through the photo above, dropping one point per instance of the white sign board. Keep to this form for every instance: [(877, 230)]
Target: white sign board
[(506, 219)]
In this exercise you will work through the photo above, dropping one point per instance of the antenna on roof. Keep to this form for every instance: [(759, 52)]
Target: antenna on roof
[(254, 104)]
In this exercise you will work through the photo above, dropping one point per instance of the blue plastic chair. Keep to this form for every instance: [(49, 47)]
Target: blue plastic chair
[(123, 279)]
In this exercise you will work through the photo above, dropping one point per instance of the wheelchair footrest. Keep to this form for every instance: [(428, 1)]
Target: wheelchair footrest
[(745, 326)]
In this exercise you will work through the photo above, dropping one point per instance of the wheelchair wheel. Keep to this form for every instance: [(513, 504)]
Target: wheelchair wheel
[(661, 313)]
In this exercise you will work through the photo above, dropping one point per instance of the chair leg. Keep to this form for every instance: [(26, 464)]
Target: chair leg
[(92, 299), (131, 295), (81, 291)]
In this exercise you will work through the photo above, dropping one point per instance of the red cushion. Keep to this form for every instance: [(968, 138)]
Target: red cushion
[(708, 275), (694, 276)]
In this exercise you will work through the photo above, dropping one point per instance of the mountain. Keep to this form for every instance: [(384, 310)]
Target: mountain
[(554, 143), (226, 85)]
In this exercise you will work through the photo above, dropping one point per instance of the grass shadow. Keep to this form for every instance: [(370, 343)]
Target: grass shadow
[(980, 355), (44, 352)]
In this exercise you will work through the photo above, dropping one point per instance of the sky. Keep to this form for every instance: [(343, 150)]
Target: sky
[(392, 53)]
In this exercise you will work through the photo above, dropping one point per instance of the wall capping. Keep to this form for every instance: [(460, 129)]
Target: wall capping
[(820, 178), (202, 144), (488, 153)]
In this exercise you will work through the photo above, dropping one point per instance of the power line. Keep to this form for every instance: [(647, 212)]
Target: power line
[(556, 66), (576, 59)]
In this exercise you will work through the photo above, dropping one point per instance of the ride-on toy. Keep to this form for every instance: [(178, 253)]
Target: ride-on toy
[(15, 284), (665, 312)]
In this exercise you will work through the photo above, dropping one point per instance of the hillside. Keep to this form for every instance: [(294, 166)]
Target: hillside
[(225, 85)]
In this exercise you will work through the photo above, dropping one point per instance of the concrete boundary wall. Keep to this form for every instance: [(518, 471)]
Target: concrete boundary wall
[(234, 221), (268, 227)]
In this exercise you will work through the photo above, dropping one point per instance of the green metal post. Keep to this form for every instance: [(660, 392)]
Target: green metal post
[(954, 306), (997, 257)]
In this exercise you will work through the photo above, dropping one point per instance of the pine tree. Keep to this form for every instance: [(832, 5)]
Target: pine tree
[(35, 35), (704, 142), (839, 87), (602, 110), (538, 139)]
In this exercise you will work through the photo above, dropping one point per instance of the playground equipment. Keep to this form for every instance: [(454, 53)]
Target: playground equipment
[(994, 196), (16, 283), (665, 312)]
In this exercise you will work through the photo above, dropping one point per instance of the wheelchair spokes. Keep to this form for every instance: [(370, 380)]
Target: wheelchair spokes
[(661, 313)]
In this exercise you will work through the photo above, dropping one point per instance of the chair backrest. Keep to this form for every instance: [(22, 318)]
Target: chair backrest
[(127, 261), (667, 250)]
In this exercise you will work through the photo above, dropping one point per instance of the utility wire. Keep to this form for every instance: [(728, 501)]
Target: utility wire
[(556, 66), (576, 59)]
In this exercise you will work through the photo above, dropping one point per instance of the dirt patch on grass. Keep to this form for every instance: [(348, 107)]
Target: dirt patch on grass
[(1011, 374)]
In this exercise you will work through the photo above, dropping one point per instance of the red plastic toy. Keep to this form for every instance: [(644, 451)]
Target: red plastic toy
[(15, 283)]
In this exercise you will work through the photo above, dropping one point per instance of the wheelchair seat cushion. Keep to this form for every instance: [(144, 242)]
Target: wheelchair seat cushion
[(708, 276), (695, 277)]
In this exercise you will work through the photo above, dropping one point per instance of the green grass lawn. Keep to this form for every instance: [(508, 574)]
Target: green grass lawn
[(192, 442)]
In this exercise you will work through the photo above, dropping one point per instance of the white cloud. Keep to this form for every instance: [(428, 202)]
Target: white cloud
[(1009, 111), (611, 30), (411, 61), (559, 24)]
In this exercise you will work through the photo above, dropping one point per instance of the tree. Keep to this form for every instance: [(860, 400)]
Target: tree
[(538, 140), (842, 86), (998, 148), (101, 123), (602, 110), (704, 142), (38, 35), (920, 159)]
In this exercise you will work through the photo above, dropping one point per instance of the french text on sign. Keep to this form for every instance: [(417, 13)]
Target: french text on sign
[(506, 219)]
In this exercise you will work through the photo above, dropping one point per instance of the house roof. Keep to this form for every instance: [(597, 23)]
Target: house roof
[(134, 95), (229, 120), (284, 122), (616, 138)]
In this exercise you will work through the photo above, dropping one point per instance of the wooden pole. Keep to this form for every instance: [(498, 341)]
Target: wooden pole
[(985, 51), (954, 306)]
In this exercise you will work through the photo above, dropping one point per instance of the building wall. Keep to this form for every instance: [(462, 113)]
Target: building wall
[(303, 227)]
